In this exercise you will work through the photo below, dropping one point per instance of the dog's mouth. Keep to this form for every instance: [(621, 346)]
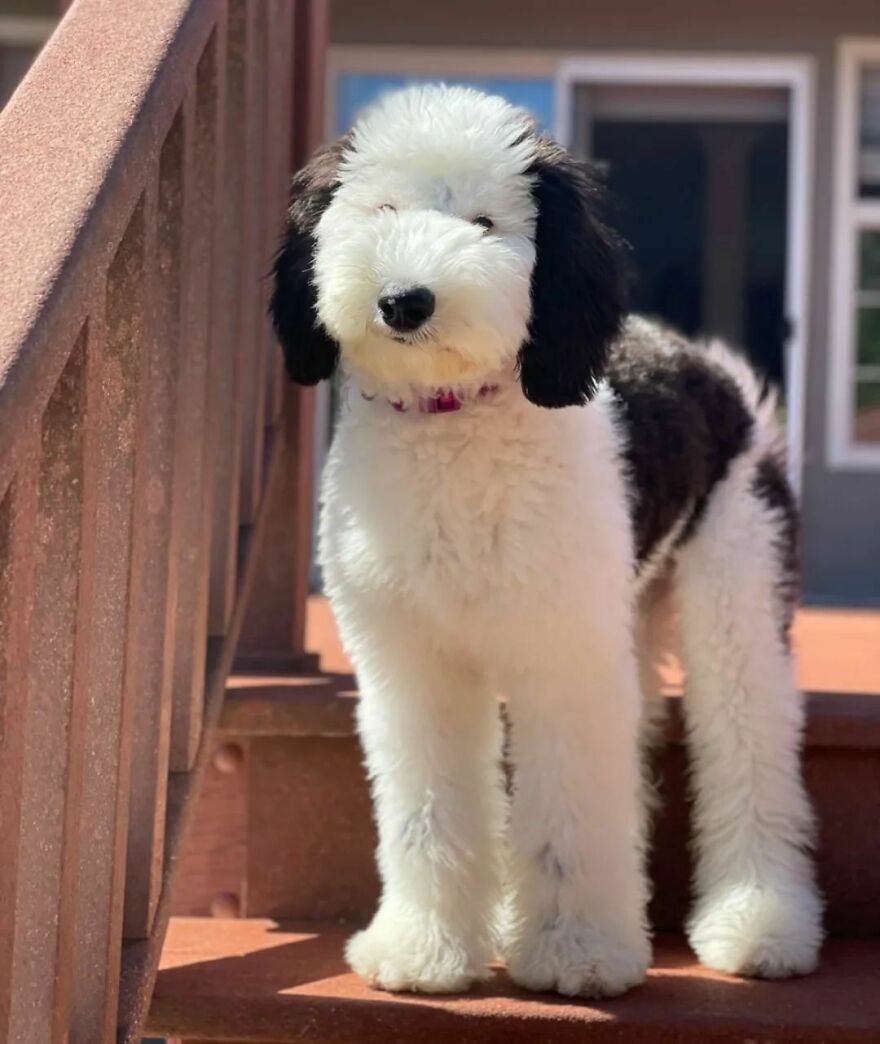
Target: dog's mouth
[(421, 338), (422, 357)]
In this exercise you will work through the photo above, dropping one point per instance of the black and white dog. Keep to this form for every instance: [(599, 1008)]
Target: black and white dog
[(514, 461)]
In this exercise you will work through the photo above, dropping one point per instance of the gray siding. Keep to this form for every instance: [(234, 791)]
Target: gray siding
[(841, 509), (34, 8)]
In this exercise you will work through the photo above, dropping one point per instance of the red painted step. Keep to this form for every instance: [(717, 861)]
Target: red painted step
[(261, 981), (307, 839)]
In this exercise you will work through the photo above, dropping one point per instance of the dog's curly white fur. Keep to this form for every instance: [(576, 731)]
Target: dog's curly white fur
[(504, 547)]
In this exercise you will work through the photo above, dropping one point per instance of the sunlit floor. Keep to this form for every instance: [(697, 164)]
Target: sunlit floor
[(838, 650)]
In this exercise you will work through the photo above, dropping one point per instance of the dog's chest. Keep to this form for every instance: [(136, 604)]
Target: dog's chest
[(470, 524), (502, 541), (453, 520)]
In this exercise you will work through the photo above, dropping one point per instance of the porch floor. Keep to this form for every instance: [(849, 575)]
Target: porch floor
[(258, 980), (837, 650)]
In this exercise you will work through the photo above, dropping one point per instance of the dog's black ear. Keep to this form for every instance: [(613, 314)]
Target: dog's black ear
[(310, 353), (578, 288)]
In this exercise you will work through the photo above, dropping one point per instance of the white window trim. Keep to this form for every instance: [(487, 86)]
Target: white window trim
[(793, 72), (850, 217), (25, 30)]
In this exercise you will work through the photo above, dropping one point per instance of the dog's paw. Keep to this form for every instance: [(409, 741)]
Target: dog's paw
[(574, 957), (765, 933), (397, 953)]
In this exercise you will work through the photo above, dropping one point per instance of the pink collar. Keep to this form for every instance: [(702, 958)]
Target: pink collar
[(443, 402)]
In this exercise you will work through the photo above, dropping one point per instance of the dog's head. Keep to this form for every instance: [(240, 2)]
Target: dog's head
[(443, 242)]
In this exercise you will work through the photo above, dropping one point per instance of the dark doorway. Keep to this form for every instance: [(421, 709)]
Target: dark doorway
[(703, 204)]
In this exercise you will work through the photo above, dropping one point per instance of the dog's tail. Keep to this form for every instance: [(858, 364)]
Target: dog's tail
[(760, 395)]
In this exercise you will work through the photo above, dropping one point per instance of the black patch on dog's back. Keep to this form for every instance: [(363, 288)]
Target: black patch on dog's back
[(685, 421)]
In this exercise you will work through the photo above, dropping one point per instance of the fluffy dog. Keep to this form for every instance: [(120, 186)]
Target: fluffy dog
[(514, 461)]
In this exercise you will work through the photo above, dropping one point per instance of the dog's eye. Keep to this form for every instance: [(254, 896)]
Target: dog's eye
[(483, 222), (388, 206)]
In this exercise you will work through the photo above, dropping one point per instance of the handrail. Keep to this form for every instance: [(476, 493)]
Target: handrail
[(143, 173), (86, 117)]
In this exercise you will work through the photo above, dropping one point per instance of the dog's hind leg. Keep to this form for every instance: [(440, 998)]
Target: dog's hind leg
[(757, 910), (655, 635)]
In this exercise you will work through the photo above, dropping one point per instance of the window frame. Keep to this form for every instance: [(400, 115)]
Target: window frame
[(851, 216)]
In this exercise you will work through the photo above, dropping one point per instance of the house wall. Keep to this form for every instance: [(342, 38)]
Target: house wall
[(24, 26), (40, 8), (841, 508)]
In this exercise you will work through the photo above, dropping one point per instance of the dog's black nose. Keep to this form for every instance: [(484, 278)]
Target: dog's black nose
[(406, 310)]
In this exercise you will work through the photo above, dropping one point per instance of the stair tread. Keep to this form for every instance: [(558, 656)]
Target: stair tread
[(261, 980)]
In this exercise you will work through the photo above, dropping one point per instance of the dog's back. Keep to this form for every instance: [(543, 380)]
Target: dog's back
[(688, 410)]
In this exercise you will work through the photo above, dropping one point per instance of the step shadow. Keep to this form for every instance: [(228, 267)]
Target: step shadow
[(301, 988)]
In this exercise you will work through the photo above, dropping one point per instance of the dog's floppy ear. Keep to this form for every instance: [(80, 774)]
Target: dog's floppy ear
[(578, 297), (310, 354)]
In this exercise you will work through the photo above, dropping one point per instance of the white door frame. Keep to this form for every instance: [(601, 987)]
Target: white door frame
[(793, 73)]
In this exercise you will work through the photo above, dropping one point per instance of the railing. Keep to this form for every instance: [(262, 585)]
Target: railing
[(145, 452)]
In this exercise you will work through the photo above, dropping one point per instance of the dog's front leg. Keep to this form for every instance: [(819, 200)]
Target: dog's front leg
[(432, 738), (578, 892)]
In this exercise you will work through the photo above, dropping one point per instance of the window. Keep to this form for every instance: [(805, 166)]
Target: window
[(356, 90), (869, 131), (855, 321)]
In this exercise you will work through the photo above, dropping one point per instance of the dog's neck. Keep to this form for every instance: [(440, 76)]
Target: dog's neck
[(447, 401)]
